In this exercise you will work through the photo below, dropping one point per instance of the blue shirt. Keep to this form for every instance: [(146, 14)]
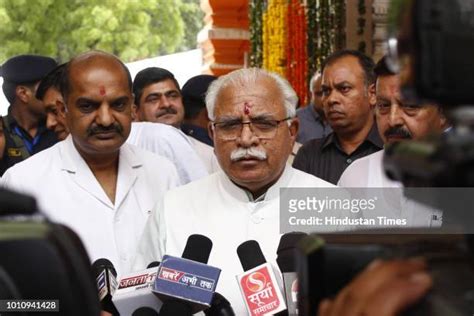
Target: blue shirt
[(197, 132), (312, 125)]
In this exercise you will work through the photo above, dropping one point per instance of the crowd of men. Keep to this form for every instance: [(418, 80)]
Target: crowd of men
[(136, 166)]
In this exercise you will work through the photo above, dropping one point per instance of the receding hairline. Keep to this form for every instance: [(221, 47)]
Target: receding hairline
[(343, 58), (91, 58), (274, 87)]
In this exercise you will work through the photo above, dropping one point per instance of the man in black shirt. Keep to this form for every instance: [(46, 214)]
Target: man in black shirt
[(25, 125), (348, 101)]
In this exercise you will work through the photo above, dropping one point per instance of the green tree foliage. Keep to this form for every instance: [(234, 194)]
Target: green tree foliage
[(131, 29)]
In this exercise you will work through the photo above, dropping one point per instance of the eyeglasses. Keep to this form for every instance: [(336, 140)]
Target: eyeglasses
[(262, 128)]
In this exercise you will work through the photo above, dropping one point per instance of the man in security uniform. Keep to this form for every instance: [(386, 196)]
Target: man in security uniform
[(25, 125)]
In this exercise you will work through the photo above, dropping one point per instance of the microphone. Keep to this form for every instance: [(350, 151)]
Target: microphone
[(258, 284), (311, 282), (198, 248), (286, 260), (145, 311), (135, 292), (220, 306), (175, 307), (186, 285), (153, 264), (106, 278)]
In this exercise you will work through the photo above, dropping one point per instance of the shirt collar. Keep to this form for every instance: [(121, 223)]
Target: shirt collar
[(330, 139), (373, 137), (12, 122), (245, 196), (71, 158)]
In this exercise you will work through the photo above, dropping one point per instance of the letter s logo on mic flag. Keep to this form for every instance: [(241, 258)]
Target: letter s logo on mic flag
[(255, 282), (260, 291)]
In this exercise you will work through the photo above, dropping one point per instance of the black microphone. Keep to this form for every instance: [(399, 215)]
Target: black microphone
[(286, 260), (175, 307), (153, 264), (250, 255), (106, 278), (198, 248), (145, 311), (259, 286), (220, 306)]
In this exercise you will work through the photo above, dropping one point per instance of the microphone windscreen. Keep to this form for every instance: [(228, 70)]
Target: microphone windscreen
[(286, 251), (173, 308), (101, 264), (250, 255), (145, 311), (198, 248), (220, 306), (153, 264)]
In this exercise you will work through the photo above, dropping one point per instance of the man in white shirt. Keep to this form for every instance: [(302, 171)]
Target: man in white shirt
[(171, 143), (161, 139), (94, 182), (396, 121), (253, 129)]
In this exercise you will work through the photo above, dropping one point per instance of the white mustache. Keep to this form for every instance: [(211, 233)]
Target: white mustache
[(252, 152)]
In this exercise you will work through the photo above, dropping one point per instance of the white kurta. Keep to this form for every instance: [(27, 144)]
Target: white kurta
[(217, 208), (170, 142), (368, 172), (206, 153), (68, 193)]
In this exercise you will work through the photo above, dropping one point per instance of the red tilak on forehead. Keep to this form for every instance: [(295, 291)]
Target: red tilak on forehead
[(102, 90), (247, 107)]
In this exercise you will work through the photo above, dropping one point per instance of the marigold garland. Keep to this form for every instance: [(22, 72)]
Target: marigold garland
[(293, 40), (274, 36)]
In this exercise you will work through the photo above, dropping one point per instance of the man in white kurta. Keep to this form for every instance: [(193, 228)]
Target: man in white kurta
[(227, 214), (241, 202), (396, 121), (94, 182), (367, 172)]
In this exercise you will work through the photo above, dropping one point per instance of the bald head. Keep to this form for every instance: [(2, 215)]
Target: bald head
[(91, 59), (98, 97)]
